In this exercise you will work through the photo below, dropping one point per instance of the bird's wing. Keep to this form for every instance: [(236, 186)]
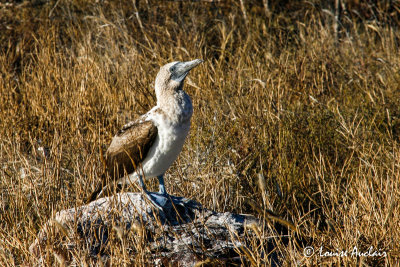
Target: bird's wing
[(129, 147), (127, 150)]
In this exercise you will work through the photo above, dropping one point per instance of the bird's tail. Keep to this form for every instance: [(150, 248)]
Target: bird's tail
[(102, 159), (97, 190), (102, 183), (104, 188)]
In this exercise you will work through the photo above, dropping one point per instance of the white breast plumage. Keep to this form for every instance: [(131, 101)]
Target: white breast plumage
[(167, 146)]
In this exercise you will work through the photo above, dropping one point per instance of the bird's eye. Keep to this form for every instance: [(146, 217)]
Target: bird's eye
[(172, 69)]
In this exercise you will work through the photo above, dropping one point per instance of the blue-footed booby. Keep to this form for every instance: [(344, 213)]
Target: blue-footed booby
[(148, 146)]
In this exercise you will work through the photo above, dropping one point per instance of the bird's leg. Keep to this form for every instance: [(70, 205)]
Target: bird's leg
[(157, 200), (163, 192), (161, 185), (141, 183)]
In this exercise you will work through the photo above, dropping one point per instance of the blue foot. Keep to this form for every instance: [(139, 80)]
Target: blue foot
[(161, 199), (158, 200), (169, 204)]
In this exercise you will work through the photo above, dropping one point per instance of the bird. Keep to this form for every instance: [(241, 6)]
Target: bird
[(148, 146)]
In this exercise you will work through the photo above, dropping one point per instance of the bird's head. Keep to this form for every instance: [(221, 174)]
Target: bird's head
[(172, 75)]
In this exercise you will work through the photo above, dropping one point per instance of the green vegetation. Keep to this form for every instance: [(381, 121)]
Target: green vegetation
[(314, 110)]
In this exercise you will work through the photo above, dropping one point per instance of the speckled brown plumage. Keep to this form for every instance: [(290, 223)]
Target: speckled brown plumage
[(127, 149)]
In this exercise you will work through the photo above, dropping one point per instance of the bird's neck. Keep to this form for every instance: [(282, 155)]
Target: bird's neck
[(176, 105)]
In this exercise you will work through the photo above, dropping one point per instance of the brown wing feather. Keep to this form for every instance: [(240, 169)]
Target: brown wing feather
[(129, 147), (126, 151)]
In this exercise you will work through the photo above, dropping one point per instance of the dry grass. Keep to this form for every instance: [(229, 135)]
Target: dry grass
[(318, 118)]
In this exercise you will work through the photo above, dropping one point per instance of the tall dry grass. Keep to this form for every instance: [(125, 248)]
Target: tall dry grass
[(279, 98)]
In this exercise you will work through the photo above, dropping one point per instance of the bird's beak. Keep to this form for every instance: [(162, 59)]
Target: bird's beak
[(183, 68)]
